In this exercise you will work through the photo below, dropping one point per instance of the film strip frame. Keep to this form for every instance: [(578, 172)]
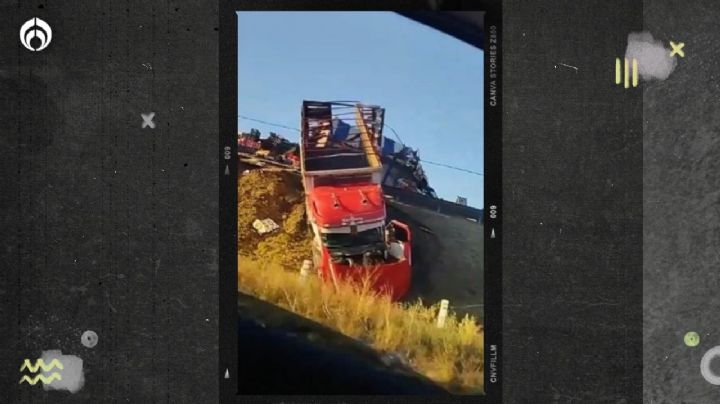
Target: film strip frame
[(228, 171)]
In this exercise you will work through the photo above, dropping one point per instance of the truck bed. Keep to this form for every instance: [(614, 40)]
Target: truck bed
[(324, 148), (334, 159)]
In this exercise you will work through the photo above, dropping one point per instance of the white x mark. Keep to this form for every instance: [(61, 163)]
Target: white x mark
[(148, 120)]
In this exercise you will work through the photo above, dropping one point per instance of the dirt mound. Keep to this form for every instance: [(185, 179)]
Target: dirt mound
[(276, 195)]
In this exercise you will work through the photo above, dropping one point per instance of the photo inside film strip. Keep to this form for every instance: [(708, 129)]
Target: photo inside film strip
[(364, 203)]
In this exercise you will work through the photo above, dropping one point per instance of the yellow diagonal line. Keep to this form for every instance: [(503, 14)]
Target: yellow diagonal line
[(372, 157)]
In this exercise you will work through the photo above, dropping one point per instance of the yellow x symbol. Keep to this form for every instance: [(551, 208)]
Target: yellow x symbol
[(677, 48)]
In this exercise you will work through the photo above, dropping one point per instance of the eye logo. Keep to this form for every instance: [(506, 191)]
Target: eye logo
[(35, 28)]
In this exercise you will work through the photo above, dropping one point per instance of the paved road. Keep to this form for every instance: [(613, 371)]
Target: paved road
[(447, 257)]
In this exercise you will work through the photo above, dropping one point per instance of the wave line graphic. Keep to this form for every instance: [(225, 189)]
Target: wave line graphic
[(41, 364), (41, 377)]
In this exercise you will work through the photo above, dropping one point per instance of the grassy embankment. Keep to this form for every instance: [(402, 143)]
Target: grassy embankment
[(269, 269)]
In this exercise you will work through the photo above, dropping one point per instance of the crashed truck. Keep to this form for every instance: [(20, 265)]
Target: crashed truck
[(344, 200)]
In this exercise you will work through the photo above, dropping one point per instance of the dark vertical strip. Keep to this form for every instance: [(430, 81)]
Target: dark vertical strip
[(493, 206), (228, 202)]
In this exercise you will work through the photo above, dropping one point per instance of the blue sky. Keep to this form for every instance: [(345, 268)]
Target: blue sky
[(429, 83)]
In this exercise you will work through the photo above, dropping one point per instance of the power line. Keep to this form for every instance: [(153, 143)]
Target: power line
[(268, 123), (453, 167), (393, 130), (432, 162), (396, 134)]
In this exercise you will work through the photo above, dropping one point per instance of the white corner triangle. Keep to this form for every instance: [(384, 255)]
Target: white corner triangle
[(227, 373)]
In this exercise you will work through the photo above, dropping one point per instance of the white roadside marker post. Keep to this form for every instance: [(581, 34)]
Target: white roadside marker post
[(305, 269), (442, 315)]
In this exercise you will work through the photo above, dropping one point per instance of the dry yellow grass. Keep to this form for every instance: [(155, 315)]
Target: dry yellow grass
[(451, 356)]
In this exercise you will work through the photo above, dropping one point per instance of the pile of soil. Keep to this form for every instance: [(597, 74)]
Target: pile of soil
[(276, 195)]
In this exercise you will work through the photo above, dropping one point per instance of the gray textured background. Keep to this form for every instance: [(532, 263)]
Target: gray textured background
[(572, 193), (107, 226), (113, 228), (681, 225)]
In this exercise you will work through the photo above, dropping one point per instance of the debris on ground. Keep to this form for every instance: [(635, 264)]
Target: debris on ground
[(265, 226)]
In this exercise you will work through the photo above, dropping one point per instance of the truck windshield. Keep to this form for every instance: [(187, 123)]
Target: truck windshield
[(347, 240)]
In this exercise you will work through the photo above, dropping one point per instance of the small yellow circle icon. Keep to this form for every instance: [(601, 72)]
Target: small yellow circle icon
[(692, 338)]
